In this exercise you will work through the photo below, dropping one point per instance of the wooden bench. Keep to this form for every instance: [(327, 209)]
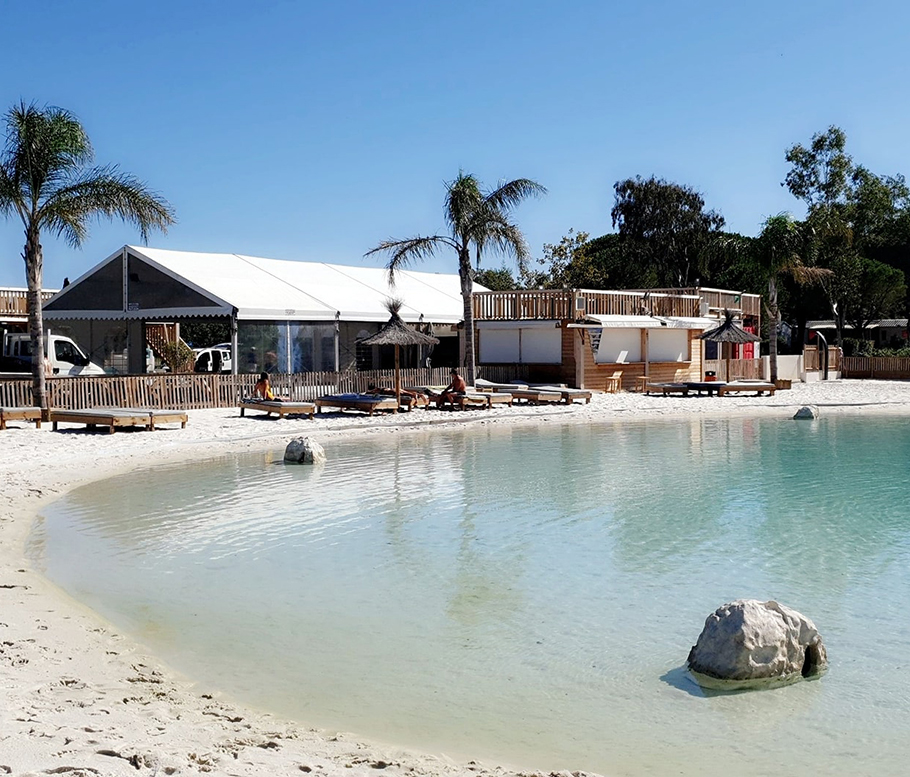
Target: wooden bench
[(20, 414)]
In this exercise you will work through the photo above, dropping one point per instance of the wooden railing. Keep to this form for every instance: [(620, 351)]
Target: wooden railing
[(158, 335), (190, 391), (13, 302), (880, 367), (718, 300), (544, 304)]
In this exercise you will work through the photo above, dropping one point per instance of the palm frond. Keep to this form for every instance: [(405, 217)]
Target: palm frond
[(43, 147), (405, 252), (463, 199), (104, 191), (804, 274), (509, 194)]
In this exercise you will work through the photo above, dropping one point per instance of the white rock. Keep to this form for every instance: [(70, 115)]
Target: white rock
[(755, 643), (807, 411), (303, 450)]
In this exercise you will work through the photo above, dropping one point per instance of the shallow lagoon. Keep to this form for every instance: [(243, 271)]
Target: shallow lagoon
[(525, 595)]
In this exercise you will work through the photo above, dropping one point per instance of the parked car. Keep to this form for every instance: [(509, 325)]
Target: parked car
[(214, 359), (62, 355)]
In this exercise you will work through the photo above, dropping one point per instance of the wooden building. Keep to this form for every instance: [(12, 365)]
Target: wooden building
[(600, 339)]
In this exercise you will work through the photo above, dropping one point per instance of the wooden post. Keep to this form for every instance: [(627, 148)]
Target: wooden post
[(397, 378)]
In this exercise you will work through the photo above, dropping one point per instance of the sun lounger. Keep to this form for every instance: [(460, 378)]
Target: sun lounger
[(668, 388), (281, 409), (471, 398), (569, 395), (114, 417), (20, 414), (365, 403), (533, 396), (758, 386)]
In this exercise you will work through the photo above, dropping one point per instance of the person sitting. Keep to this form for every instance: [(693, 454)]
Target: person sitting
[(454, 389), (263, 389)]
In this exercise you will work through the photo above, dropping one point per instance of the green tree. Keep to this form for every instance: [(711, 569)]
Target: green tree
[(880, 292), (45, 181), (496, 280), (665, 228), (477, 220), (777, 251)]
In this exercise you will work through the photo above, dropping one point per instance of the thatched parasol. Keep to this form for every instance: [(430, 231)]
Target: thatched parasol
[(728, 332), (396, 332)]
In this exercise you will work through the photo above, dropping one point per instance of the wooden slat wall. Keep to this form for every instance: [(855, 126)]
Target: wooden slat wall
[(750, 369), (189, 391), (881, 367)]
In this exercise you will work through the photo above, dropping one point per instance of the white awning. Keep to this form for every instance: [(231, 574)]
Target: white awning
[(701, 322), (618, 322), (520, 324)]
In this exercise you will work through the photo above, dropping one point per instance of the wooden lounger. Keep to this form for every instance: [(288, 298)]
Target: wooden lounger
[(281, 409), (668, 388), (758, 387), (365, 403), (114, 417), (533, 396), (568, 395), (20, 414), (482, 399)]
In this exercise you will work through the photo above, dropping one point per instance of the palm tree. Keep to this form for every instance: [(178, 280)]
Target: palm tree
[(44, 179), (477, 220), (778, 250)]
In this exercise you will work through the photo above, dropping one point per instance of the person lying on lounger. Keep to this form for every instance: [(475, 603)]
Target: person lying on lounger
[(388, 392), (456, 387), (263, 389)]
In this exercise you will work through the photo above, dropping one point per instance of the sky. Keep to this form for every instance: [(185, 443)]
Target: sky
[(314, 130)]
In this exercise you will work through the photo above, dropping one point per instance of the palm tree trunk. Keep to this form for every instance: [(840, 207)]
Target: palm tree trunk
[(34, 260), (467, 296), (773, 326)]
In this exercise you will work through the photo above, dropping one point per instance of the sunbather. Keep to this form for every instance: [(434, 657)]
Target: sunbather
[(456, 387), (263, 389)]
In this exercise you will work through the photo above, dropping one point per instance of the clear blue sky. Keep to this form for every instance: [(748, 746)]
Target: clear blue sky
[(313, 130)]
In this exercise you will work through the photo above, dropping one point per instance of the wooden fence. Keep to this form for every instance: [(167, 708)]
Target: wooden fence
[(189, 391), (751, 369), (881, 367)]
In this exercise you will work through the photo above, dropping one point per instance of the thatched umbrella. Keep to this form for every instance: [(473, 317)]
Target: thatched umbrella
[(396, 332), (729, 333)]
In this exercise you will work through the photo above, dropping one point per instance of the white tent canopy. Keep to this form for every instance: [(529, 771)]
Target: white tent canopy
[(255, 288)]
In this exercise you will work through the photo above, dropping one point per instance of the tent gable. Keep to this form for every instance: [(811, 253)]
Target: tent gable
[(101, 289), (149, 288)]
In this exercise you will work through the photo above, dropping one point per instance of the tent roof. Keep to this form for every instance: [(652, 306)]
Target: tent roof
[(281, 290)]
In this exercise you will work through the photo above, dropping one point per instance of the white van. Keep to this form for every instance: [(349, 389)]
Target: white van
[(64, 357)]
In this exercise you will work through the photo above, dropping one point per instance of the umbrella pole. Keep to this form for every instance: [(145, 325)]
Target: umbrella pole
[(397, 378), (729, 347)]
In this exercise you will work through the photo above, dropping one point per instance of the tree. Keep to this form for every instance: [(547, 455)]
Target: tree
[(820, 175), (777, 251), (496, 280), (476, 220), (880, 292), (664, 227), (45, 181)]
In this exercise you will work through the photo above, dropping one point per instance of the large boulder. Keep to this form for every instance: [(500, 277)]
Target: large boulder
[(303, 450), (808, 412), (748, 644)]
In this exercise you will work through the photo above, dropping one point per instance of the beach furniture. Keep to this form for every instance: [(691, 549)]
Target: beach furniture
[(20, 414), (281, 409), (533, 396), (613, 384), (569, 395), (120, 416), (758, 386), (470, 398), (365, 403)]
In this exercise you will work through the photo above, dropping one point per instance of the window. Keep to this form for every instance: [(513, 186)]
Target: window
[(668, 345), (619, 346)]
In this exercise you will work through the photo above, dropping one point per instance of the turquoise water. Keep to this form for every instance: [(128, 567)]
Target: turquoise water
[(525, 595)]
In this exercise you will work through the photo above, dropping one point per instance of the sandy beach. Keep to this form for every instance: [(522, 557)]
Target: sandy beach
[(78, 698)]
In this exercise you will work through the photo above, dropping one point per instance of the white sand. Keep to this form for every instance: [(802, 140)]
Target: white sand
[(77, 698)]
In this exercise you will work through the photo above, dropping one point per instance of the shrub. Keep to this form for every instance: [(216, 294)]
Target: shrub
[(178, 356)]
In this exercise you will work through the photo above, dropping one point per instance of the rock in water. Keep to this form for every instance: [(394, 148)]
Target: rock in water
[(751, 644), (808, 411), (303, 450)]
